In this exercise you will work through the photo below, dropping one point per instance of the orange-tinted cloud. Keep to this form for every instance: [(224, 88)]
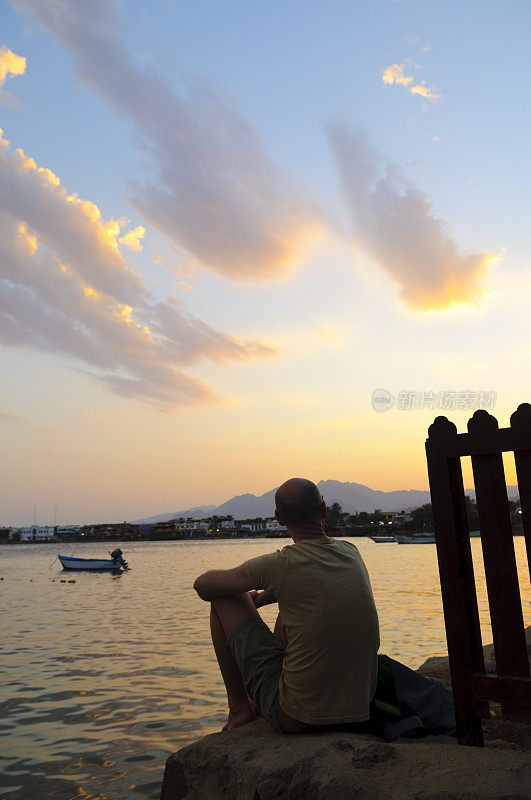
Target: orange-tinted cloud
[(65, 288), (214, 190), (29, 238), (65, 223), (10, 64), (394, 74), (395, 224), (132, 238), (97, 415)]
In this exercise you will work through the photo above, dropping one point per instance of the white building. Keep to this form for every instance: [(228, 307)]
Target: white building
[(199, 525), (66, 529), (36, 533), (271, 524), (252, 526)]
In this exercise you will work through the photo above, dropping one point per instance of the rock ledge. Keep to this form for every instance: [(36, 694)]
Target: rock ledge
[(254, 763)]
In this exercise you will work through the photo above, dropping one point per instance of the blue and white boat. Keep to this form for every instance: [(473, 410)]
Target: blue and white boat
[(379, 539), (115, 562), (417, 538)]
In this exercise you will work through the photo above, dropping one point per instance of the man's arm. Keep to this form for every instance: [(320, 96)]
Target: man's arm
[(218, 583), (264, 598)]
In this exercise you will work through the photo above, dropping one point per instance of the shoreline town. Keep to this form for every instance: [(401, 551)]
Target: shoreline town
[(378, 524)]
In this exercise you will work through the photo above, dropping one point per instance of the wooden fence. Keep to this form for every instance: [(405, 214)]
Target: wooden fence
[(485, 442)]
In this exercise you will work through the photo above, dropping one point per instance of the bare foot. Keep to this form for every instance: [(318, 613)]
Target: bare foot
[(240, 716)]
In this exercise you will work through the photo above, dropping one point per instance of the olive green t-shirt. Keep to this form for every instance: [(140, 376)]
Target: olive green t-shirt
[(331, 628)]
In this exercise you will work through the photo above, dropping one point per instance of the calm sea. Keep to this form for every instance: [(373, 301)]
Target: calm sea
[(101, 679)]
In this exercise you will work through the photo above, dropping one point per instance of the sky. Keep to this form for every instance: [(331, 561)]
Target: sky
[(225, 226)]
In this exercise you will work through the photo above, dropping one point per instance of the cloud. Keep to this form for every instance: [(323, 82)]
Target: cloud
[(424, 91), (66, 289), (7, 417), (66, 224), (394, 74), (131, 239), (184, 270), (214, 190), (396, 226), (97, 415), (10, 66)]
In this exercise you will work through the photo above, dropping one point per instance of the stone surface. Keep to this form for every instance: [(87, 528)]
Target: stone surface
[(254, 763)]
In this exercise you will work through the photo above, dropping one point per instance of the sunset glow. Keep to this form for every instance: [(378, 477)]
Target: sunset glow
[(213, 251)]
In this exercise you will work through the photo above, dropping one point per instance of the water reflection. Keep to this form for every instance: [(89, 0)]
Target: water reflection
[(102, 678)]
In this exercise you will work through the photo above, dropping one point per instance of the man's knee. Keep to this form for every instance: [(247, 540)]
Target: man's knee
[(242, 602), (234, 610)]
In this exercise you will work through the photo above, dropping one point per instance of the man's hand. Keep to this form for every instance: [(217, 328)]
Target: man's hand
[(262, 598), (253, 594)]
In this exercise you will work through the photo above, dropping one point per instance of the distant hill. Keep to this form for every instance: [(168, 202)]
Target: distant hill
[(198, 512), (352, 497)]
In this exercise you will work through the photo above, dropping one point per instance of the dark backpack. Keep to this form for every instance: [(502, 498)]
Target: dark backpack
[(409, 704)]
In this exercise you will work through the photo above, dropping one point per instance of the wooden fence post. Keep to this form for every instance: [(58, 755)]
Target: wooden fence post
[(498, 555), (522, 460), (457, 579)]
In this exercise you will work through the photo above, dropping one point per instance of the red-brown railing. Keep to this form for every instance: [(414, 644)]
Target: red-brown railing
[(485, 442)]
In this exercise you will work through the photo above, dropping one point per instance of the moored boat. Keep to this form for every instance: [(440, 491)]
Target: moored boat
[(419, 538), (378, 539), (115, 562)]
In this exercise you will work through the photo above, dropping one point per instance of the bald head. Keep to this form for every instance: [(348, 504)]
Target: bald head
[(298, 501)]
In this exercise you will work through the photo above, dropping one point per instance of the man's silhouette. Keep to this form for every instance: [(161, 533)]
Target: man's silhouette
[(319, 668)]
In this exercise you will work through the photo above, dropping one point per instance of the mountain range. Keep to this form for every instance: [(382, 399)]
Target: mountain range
[(352, 497)]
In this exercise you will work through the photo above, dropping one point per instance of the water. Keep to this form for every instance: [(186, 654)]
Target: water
[(103, 678)]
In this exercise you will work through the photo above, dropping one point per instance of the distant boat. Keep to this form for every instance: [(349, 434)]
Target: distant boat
[(419, 538), (378, 539), (115, 563)]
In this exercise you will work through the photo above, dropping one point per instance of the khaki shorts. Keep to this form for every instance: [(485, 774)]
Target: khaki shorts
[(259, 655)]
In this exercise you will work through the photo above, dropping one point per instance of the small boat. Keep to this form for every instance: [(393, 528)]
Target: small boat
[(115, 562), (378, 539), (422, 538)]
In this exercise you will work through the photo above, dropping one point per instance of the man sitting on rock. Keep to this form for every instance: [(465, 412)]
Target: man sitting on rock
[(319, 668)]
